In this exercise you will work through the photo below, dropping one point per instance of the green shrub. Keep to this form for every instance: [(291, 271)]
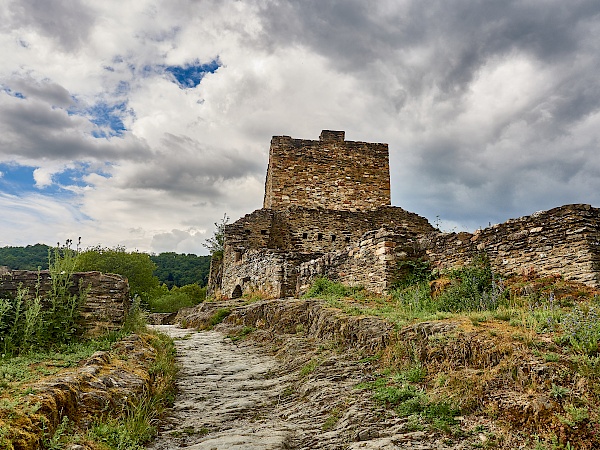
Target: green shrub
[(412, 272), (474, 288), (176, 298), (137, 267), (219, 316), (322, 287)]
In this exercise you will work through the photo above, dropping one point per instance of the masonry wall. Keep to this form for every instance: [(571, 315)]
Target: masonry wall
[(107, 301), (330, 173), (297, 235), (304, 230), (563, 240), (271, 273), (372, 262)]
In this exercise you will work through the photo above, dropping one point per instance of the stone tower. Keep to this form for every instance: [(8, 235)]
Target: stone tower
[(330, 173)]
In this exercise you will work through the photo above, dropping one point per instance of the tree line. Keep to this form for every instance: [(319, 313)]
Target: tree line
[(172, 269)]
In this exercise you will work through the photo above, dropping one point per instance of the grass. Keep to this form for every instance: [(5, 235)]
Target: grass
[(401, 391), (129, 428), (29, 367), (309, 367), (500, 326), (219, 316), (241, 334), (332, 420), (135, 425)]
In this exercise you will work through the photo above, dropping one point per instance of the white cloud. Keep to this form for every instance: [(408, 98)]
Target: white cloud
[(490, 111)]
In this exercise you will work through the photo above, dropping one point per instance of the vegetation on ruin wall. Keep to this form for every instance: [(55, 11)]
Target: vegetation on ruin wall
[(521, 351), (38, 337), (30, 320)]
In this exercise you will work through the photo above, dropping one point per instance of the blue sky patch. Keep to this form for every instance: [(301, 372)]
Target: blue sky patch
[(18, 180), (108, 119), (190, 75), (13, 93)]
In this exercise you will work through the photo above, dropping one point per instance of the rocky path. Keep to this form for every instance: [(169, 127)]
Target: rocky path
[(236, 395), (224, 392)]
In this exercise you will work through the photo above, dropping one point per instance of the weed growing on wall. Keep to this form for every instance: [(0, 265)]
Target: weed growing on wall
[(411, 272), (36, 320)]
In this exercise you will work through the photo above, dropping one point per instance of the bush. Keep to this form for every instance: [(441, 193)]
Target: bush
[(474, 288), (412, 272), (177, 298), (322, 287)]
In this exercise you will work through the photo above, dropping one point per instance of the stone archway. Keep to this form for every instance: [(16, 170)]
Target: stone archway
[(237, 292)]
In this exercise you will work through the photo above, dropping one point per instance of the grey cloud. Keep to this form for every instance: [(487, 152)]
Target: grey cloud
[(34, 130), (179, 240), (66, 21), (184, 166), (452, 41), (437, 49), (46, 91), (461, 35)]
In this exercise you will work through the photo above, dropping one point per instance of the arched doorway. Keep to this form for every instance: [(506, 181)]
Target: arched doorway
[(237, 292)]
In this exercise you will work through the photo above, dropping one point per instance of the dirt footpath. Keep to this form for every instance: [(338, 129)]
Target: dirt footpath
[(291, 394)]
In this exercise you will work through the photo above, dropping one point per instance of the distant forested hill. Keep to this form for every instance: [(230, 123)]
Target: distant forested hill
[(25, 258), (173, 269)]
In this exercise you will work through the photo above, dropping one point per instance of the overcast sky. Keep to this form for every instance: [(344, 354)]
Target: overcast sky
[(140, 123)]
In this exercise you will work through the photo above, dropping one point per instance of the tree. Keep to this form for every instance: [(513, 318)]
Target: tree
[(175, 269), (136, 266), (216, 244), (25, 258)]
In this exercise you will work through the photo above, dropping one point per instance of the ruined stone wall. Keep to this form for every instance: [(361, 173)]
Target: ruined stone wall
[(305, 230), (563, 240), (330, 173), (328, 230), (293, 236), (107, 301), (372, 262), (271, 273)]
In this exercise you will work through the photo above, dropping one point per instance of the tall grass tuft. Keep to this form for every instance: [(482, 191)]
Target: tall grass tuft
[(41, 321), (582, 328)]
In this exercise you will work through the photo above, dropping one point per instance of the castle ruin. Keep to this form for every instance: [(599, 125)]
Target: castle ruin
[(327, 212)]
